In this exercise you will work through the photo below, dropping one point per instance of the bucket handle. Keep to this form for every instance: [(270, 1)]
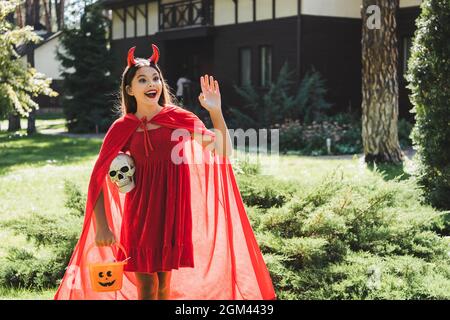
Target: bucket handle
[(92, 245)]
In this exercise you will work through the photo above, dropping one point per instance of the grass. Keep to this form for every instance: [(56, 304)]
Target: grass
[(26, 294), (19, 151), (33, 169), (311, 170)]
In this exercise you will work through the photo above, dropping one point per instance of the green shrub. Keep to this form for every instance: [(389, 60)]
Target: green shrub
[(247, 167), (311, 103), (22, 269), (350, 141), (333, 241), (264, 108), (75, 199), (344, 130), (263, 191), (311, 139), (55, 233), (291, 136), (428, 77), (364, 276), (441, 224)]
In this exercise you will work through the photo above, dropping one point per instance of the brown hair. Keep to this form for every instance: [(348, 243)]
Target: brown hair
[(128, 103)]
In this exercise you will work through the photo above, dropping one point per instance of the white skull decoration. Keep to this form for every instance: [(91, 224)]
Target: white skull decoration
[(121, 172)]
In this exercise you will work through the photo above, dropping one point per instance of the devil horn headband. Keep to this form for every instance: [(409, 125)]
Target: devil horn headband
[(131, 61), (155, 56)]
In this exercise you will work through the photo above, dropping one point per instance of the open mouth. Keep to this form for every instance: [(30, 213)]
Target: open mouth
[(151, 93)]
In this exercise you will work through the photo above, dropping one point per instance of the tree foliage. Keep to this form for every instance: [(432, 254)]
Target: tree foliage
[(19, 83), (88, 83), (428, 76)]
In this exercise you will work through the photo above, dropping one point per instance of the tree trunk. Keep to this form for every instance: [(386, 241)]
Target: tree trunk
[(48, 25), (31, 127), (31, 123), (380, 84), (28, 12), (19, 21), (60, 13), (13, 117), (13, 122), (36, 14)]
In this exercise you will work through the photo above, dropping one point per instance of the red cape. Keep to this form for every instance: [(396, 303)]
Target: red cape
[(228, 262)]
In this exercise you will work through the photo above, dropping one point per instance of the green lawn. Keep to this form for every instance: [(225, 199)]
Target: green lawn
[(23, 294), (33, 169)]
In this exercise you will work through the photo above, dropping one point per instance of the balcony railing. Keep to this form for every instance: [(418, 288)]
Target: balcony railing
[(186, 13)]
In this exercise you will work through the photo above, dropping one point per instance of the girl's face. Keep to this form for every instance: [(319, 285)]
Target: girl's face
[(146, 86)]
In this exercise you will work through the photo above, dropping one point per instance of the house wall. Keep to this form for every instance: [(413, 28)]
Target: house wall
[(410, 3), (264, 9), (286, 8), (230, 38), (332, 8), (224, 12), (153, 13), (117, 24), (45, 60), (332, 46), (119, 19), (245, 11), (140, 18)]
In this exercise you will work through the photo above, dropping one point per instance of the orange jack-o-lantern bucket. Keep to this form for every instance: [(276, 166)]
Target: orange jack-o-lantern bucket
[(106, 276)]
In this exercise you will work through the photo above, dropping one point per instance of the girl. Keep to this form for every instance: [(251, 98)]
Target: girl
[(144, 93), (183, 226)]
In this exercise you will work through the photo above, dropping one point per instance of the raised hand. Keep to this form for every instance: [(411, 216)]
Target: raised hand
[(210, 96)]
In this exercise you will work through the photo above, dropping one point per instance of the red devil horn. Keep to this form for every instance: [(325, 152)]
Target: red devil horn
[(155, 56), (130, 59)]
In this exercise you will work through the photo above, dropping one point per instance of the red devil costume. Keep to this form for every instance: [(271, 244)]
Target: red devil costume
[(215, 257)]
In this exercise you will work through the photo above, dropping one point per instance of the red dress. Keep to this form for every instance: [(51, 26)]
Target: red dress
[(157, 223), (228, 262)]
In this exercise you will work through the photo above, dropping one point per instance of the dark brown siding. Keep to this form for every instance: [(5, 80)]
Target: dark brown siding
[(143, 49), (333, 47), (405, 28), (280, 34)]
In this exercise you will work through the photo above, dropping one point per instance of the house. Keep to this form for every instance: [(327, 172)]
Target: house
[(242, 41)]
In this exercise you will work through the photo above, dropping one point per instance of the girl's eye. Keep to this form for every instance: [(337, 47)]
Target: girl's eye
[(156, 79), (142, 80)]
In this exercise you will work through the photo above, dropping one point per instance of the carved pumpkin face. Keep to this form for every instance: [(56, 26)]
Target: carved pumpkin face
[(106, 278)]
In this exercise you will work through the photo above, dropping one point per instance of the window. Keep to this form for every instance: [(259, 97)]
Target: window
[(265, 56), (245, 64), (407, 43)]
